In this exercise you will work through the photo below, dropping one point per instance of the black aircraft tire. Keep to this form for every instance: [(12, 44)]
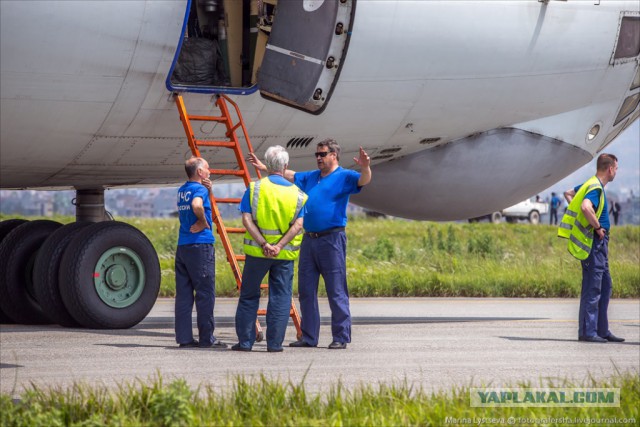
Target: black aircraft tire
[(7, 227), (17, 253), (110, 276), (45, 274)]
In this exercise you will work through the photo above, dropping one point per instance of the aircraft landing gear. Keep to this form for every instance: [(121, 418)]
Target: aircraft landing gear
[(93, 273), (17, 254)]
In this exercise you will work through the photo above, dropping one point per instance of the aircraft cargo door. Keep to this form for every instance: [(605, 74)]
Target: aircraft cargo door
[(305, 52)]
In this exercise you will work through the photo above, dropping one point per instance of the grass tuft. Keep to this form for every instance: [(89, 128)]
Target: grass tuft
[(265, 402)]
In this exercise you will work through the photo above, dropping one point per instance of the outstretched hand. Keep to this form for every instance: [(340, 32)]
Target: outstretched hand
[(253, 159), (363, 160)]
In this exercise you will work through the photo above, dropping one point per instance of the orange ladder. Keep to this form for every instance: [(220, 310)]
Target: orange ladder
[(232, 143)]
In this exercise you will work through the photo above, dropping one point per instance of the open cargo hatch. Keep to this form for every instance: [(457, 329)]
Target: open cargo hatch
[(292, 51)]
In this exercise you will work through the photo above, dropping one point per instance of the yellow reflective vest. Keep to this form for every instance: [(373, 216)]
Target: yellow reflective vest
[(273, 209), (574, 225)]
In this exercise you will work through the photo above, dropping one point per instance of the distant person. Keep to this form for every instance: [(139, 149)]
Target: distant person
[(615, 211), (195, 258), (586, 225), (324, 246), (555, 205), (272, 212), (538, 199)]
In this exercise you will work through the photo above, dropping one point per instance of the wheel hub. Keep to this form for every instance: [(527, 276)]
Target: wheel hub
[(116, 277), (119, 277)]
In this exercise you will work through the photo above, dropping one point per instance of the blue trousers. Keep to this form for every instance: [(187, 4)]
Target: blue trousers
[(596, 291), (278, 307), (327, 256), (195, 280)]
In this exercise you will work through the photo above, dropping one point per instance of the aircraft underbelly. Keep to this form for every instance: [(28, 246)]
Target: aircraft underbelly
[(500, 167)]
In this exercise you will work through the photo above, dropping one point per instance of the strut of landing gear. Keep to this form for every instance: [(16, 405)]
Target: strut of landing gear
[(93, 273)]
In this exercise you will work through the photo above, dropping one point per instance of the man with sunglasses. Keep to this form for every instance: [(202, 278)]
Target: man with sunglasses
[(324, 246)]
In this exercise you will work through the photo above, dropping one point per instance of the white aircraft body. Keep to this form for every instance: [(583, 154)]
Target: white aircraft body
[(464, 106)]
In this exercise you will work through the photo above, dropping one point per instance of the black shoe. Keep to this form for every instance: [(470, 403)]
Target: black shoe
[(193, 343), (300, 343), (594, 339), (215, 344), (237, 347), (337, 345), (274, 350), (613, 338)]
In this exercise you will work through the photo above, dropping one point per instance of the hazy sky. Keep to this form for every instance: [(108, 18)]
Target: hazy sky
[(627, 149)]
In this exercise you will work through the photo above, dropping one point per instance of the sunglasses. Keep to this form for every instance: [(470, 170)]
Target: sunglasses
[(322, 153)]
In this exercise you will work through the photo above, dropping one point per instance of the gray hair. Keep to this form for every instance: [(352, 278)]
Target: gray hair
[(276, 158), (192, 165), (331, 145)]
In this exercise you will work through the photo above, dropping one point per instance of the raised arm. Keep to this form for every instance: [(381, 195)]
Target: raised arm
[(365, 168)]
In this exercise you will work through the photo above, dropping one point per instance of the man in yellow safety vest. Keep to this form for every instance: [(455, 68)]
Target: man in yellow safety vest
[(272, 212), (586, 226)]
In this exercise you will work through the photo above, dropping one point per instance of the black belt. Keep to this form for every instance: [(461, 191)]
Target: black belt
[(314, 235)]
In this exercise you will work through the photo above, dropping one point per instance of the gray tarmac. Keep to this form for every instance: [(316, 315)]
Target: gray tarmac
[(433, 343)]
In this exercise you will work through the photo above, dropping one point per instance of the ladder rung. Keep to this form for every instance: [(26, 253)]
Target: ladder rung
[(262, 312), (241, 257), (224, 144), (235, 229), (208, 118), (264, 286), (228, 200), (233, 129), (226, 172)]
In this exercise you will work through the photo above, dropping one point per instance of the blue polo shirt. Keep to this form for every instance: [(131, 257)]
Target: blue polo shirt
[(245, 203), (594, 197), (186, 194), (328, 197)]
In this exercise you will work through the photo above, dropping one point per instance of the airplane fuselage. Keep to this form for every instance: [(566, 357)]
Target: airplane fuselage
[(464, 106)]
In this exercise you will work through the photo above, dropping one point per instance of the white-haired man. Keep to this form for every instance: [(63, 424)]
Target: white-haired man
[(272, 212)]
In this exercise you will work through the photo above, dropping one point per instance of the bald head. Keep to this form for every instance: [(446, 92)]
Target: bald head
[(192, 165)]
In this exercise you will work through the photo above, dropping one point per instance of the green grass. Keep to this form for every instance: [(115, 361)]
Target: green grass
[(413, 258), (266, 402)]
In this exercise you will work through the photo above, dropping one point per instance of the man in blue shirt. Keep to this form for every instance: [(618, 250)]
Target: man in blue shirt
[(195, 258), (324, 246), (593, 321), (555, 205)]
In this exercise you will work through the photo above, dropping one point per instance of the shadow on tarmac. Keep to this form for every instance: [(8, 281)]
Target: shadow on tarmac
[(145, 328)]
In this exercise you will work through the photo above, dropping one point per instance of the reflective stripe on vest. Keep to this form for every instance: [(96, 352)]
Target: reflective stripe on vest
[(273, 209), (574, 225)]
